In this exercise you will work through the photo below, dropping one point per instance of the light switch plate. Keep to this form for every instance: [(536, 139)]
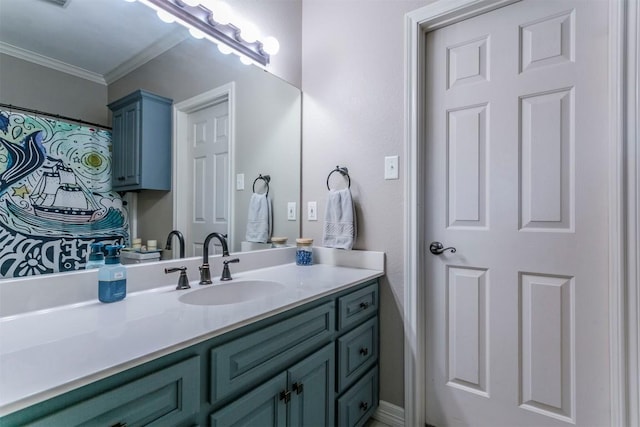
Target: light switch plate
[(312, 211), (391, 167), (240, 181), (291, 211)]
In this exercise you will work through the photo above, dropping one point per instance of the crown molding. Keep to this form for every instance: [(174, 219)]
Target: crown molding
[(45, 61), (145, 55)]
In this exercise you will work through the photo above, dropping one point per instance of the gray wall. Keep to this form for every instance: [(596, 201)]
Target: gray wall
[(283, 20), (267, 130), (29, 85), (353, 85)]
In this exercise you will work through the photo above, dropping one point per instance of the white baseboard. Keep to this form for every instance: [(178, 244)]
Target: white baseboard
[(389, 414)]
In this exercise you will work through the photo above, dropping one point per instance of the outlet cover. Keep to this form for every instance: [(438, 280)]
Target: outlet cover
[(291, 211), (312, 211), (240, 181)]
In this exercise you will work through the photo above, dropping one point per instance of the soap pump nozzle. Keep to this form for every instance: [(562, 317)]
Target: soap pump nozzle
[(113, 254)]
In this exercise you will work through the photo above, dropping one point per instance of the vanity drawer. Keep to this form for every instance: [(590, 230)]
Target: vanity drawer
[(357, 306), (254, 357), (167, 397), (357, 405), (357, 351)]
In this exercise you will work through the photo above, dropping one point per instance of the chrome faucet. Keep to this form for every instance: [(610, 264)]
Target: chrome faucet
[(180, 239), (205, 272)]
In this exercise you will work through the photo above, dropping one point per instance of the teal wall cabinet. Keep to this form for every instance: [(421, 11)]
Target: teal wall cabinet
[(141, 141), (313, 365)]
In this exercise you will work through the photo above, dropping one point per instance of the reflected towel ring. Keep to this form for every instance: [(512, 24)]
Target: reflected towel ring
[(266, 179), (343, 171)]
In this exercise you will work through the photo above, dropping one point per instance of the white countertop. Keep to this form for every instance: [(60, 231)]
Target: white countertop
[(49, 352)]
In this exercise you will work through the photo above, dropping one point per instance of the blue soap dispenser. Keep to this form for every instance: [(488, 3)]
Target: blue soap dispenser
[(112, 277), (96, 257)]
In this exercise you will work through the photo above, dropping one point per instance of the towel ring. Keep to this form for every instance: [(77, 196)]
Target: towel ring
[(266, 179), (343, 171)]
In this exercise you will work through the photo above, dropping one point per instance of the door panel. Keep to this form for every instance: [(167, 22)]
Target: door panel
[(516, 158), (208, 142)]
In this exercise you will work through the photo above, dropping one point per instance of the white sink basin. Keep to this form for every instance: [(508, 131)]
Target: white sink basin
[(233, 292)]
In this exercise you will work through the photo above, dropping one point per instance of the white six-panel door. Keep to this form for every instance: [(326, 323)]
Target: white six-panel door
[(209, 205), (516, 135)]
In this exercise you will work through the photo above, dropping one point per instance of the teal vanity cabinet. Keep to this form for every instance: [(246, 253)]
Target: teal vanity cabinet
[(357, 353), (312, 365), (141, 142), (303, 395)]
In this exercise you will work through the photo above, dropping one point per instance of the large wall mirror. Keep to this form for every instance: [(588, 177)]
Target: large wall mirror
[(264, 123)]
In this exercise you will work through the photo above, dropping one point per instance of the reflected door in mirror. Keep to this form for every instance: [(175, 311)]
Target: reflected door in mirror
[(208, 148)]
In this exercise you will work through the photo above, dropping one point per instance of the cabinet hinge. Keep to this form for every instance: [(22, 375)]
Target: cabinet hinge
[(285, 395)]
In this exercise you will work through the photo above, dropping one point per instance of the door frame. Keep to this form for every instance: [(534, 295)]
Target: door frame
[(624, 200), (181, 169)]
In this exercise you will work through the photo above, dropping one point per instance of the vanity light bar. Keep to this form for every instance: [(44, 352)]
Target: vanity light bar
[(202, 19)]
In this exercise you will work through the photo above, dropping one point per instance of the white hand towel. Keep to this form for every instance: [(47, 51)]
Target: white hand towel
[(339, 220), (259, 222)]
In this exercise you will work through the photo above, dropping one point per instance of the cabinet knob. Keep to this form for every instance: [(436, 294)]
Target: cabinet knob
[(364, 351), (364, 406), (297, 387), (364, 305)]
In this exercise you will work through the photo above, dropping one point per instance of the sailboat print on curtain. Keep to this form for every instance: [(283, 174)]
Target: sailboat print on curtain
[(59, 197), (55, 194)]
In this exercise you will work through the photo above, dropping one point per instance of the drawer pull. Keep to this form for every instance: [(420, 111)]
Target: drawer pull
[(285, 395), (297, 388), (364, 305), (364, 351), (120, 178), (364, 406), (119, 424)]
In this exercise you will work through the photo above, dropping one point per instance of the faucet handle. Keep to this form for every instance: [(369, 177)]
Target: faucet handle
[(183, 280), (226, 273)]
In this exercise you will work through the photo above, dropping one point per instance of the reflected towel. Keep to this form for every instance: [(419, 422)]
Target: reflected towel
[(339, 220), (259, 222)]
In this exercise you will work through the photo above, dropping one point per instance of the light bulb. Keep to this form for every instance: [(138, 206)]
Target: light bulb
[(221, 11), (196, 33), (271, 45), (192, 3), (166, 16), (249, 32), (245, 60), (223, 48)]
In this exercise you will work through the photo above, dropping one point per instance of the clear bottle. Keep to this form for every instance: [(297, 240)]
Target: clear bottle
[(304, 251), (112, 277), (96, 257)]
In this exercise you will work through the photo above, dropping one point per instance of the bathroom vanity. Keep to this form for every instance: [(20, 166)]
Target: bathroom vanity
[(304, 355)]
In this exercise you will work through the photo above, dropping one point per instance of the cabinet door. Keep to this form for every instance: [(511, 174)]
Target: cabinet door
[(170, 396), (257, 356), (126, 146), (357, 405), (311, 383), (264, 406)]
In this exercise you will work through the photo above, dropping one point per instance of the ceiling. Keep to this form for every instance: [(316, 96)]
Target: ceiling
[(100, 40)]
